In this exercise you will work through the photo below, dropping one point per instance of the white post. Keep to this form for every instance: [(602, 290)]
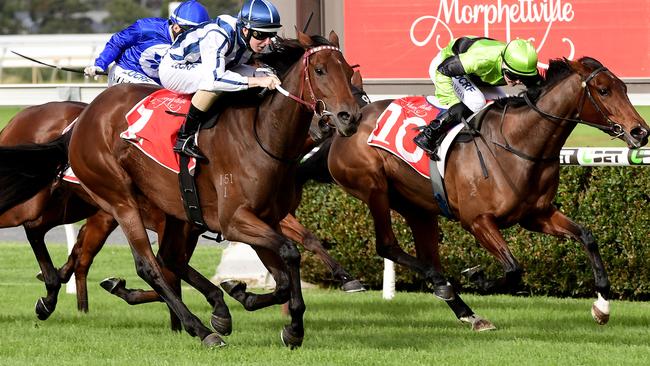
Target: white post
[(389, 280), (71, 286)]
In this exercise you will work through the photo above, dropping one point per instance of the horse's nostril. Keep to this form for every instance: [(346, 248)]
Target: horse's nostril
[(639, 133), (344, 116)]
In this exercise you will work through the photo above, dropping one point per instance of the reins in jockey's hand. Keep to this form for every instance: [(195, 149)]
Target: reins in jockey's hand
[(314, 106)]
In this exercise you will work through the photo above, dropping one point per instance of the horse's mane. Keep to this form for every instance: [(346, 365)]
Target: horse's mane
[(286, 52), (558, 70)]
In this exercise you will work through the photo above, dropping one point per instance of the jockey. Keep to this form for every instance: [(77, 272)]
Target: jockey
[(211, 58), (470, 70), (138, 49)]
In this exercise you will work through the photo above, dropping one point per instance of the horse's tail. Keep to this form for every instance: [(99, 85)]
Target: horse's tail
[(315, 167), (26, 169)]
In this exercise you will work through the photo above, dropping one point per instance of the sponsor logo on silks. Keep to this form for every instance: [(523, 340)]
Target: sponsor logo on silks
[(465, 83), (639, 157)]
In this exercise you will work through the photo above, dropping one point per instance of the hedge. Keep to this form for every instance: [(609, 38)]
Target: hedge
[(610, 201)]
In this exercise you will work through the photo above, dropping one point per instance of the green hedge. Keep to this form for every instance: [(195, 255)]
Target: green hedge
[(613, 202)]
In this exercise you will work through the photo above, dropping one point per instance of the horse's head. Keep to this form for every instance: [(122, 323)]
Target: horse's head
[(321, 126), (328, 75), (605, 103)]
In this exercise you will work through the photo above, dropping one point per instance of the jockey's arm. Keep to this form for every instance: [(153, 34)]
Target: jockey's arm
[(117, 44), (213, 56)]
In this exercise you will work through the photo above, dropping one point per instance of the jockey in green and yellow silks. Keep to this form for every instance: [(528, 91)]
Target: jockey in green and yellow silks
[(470, 70)]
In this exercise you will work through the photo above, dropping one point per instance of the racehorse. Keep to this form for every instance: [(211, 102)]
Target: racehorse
[(65, 202), (520, 140), (256, 144)]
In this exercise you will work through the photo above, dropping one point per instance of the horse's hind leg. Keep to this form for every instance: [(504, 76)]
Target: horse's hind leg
[(426, 235), (486, 231), (45, 306), (294, 230), (556, 223)]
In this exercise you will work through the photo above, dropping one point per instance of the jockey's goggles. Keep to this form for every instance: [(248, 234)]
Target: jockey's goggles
[(261, 36)]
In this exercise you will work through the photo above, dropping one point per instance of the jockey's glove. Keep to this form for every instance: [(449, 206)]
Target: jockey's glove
[(93, 70)]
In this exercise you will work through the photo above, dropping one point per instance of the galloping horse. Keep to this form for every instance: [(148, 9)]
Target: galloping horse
[(255, 145), (65, 203), (521, 141)]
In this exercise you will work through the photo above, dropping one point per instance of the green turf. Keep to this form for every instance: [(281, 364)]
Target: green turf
[(341, 329)]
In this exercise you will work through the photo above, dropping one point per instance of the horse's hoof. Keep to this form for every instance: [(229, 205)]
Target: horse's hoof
[(233, 286), (600, 317), (42, 311), (213, 340), (223, 326), (111, 284), (353, 286), (39, 276), (444, 292), (478, 324), (290, 340)]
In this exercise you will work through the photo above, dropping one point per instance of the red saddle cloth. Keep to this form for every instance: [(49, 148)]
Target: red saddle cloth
[(395, 130), (153, 130)]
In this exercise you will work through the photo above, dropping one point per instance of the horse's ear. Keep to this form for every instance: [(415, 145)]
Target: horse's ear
[(357, 80), (576, 66), (334, 39), (304, 39)]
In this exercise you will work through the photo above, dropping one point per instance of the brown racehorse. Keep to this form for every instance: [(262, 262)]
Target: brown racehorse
[(522, 178), (256, 145), (65, 203)]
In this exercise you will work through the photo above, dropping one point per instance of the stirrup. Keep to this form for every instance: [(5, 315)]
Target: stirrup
[(189, 148)]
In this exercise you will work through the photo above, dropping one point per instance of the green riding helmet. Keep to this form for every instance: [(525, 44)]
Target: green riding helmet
[(520, 58)]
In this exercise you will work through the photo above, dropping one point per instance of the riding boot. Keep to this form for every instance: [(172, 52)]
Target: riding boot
[(185, 142), (428, 137)]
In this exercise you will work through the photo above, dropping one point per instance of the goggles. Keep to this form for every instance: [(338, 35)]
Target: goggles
[(261, 36)]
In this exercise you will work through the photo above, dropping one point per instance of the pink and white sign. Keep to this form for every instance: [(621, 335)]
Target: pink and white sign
[(392, 39)]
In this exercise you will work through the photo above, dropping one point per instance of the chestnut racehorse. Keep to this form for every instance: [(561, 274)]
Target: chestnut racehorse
[(520, 140), (257, 145)]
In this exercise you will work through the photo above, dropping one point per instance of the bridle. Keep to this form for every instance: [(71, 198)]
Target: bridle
[(614, 128), (313, 106)]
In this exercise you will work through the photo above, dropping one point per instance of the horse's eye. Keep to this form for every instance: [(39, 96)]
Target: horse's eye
[(319, 71), (603, 91)]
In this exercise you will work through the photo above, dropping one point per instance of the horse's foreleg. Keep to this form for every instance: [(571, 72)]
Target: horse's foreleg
[(485, 229), (426, 235), (556, 223), (388, 247), (294, 230), (45, 306), (282, 258)]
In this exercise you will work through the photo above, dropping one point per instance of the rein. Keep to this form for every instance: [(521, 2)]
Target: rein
[(312, 106), (612, 127)]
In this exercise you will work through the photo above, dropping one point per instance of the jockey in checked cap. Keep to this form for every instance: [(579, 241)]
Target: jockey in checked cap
[(211, 59), (138, 49), (467, 71)]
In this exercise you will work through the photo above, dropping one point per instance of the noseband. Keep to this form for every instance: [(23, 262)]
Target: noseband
[(612, 126)]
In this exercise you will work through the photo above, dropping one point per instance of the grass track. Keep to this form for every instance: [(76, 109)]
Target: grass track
[(342, 329)]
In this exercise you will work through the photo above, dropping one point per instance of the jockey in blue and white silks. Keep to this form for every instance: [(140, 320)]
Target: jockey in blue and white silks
[(212, 57), (138, 49)]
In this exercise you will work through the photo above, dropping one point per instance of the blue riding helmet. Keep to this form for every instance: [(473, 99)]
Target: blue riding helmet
[(259, 15), (189, 13)]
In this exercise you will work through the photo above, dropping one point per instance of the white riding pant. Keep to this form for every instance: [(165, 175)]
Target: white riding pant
[(471, 95), (118, 75)]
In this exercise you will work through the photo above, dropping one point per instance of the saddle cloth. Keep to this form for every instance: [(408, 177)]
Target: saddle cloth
[(153, 130), (396, 128)]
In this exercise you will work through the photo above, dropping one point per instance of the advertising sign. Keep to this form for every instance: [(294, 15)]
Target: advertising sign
[(392, 39)]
